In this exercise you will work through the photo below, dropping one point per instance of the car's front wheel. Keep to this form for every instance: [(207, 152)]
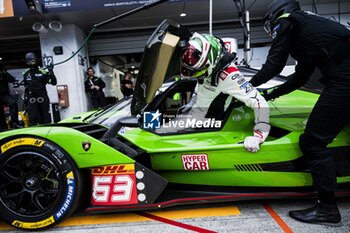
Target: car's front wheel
[(39, 183)]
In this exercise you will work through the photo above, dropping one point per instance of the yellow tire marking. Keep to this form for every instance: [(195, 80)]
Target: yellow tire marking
[(20, 142), (130, 217)]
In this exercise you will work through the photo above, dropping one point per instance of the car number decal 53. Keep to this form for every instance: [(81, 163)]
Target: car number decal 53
[(114, 185)]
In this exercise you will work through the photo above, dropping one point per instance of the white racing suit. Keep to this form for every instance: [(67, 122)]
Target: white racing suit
[(232, 83)]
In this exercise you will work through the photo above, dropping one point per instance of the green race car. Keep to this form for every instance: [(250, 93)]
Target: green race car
[(115, 160)]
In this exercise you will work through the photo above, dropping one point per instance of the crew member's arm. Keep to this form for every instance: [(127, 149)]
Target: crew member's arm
[(236, 86), (9, 77), (278, 53), (303, 72), (50, 76), (87, 84), (100, 84)]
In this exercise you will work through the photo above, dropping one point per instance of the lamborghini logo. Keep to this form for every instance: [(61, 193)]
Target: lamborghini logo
[(86, 145)]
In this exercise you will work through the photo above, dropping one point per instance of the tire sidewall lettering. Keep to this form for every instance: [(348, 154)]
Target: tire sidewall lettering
[(66, 171)]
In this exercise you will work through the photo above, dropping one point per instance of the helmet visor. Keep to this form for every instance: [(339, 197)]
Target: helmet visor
[(190, 60), (187, 71)]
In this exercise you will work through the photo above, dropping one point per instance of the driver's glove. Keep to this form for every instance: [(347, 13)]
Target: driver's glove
[(185, 108), (261, 131)]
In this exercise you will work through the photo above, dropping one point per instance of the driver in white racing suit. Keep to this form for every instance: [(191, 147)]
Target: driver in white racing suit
[(211, 61)]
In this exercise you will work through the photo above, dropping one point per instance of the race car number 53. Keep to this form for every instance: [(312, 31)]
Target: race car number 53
[(116, 189)]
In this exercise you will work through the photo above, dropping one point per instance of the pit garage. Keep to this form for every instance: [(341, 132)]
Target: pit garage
[(110, 169)]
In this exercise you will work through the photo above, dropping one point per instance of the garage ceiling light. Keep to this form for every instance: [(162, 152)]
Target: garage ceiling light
[(183, 14)]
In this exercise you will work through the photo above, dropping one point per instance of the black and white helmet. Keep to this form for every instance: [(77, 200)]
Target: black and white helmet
[(277, 8)]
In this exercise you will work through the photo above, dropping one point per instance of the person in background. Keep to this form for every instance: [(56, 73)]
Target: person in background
[(35, 80), (313, 41), (94, 85), (127, 85), (7, 99)]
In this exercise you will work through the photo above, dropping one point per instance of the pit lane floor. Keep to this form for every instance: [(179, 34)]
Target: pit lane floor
[(248, 216)]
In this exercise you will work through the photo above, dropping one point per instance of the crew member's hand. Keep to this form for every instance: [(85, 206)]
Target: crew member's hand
[(251, 143), (97, 88), (268, 95)]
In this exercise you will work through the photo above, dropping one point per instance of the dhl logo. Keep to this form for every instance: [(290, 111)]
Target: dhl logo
[(114, 169)]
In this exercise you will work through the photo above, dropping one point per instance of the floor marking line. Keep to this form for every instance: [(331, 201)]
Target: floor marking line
[(277, 218), (197, 213), (112, 218), (174, 223)]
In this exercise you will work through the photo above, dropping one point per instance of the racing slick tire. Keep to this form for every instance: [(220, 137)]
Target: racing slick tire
[(39, 183)]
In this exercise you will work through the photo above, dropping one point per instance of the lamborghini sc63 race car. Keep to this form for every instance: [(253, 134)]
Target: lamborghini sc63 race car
[(116, 163)]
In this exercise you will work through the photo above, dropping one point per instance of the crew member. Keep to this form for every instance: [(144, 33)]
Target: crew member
[(127, 85), (94, 86), (313, 41), (35, 80), (7, 99)]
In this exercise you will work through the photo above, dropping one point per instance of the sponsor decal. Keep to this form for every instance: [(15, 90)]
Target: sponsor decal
[(274, 31), (195, 162), (21, 142), (237, 76), (241, 80), (122, 130), (247, 87), (276, 27), (69, 196), (33, 225), (114, 185), (223, 75), (228, 45), (86, 145), (114, 169), (151, 120)]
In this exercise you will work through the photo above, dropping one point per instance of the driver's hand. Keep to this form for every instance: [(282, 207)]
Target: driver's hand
[(251, 143), (183, 109)]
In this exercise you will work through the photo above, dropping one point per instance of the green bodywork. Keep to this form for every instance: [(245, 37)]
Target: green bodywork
[(224, 148), (79, 117), (226, 152), (71, 141)]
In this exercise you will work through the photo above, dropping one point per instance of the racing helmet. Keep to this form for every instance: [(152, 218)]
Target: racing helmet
[(277, 8), (31, 59), (200, 56)]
